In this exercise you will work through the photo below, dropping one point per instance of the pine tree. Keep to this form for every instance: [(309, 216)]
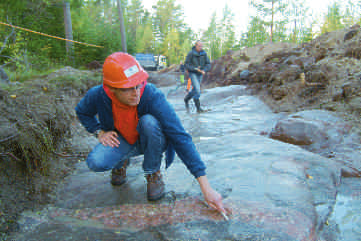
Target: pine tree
[(273, 13), (351, 15), (135, 22), (333, 19), (172, 47), (299, 13), (227, 30), (256, 33), (167, 16), (212, 38)]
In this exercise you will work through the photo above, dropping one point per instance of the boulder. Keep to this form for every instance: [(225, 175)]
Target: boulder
[(324, 133), (299, 132), (310, 128), (245, 75), (349, 35)]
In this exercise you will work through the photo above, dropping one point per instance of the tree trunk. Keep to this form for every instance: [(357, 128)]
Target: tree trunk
[(295, 30), (68, 30), (122, 28), (272, 21), (3, 76)]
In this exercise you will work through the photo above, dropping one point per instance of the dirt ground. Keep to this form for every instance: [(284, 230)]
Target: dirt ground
[(22, 191), (35, 151)]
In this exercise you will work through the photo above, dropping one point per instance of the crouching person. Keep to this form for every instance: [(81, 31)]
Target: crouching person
[(130, 118)]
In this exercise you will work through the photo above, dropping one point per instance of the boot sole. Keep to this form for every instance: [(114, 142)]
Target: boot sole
[(118, 183), (155, 198)]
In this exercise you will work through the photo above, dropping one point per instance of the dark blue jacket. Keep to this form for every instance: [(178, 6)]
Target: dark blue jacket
[(197, 60), (153, 102), (182, 68)]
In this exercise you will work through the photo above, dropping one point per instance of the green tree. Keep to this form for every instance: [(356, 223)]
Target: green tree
[(273, 13), (227, 30), (186, 38), (172, 47), (38, 15), (256, 33), (212, 38), (144, 41), (333, 19), (351, 15), (135, 23), (167, 16), (299, 18)]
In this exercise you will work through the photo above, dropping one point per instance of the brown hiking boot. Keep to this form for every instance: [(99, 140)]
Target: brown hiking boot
[(119, 176), (155, 186)]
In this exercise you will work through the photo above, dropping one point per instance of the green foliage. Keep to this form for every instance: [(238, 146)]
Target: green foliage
[(227, 30), (137, 22), (211, 37), (220, 35), (78, 81), (333, 19), (256, 33), (274, 15), (352, 11), (167, 16), (161, 31), (299, 18), (172, 47), (22, 76)]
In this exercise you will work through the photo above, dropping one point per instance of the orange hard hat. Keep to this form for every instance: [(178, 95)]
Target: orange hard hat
[(121, 70)]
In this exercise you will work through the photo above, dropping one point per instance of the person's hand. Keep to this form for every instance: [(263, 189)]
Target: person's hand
[(213, 198), (200, 71), (108, 138)]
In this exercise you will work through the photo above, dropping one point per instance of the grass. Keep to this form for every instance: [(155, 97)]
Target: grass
[(21, 76)]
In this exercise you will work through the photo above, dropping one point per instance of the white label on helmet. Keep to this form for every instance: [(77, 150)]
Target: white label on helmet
[(131, 71)]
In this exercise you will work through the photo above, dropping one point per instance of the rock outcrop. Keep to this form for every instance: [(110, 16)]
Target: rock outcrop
[(322, 132), (272, 190), (324, 73)]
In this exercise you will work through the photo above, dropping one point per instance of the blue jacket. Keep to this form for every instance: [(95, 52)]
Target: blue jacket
[(196, 59), (153, 101)]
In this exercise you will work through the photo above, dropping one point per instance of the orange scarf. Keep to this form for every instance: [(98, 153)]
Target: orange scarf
[(125, 117)]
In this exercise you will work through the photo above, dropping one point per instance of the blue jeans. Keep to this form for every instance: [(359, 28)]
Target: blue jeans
[(196, 83), (152, 143)]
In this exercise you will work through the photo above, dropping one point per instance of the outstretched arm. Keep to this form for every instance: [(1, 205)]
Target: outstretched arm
[(184, 146), (212, 197)]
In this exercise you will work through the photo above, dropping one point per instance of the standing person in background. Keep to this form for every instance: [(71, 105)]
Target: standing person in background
[(197, 63)]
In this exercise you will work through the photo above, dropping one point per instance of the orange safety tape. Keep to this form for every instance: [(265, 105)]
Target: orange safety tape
[(47, 35)]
